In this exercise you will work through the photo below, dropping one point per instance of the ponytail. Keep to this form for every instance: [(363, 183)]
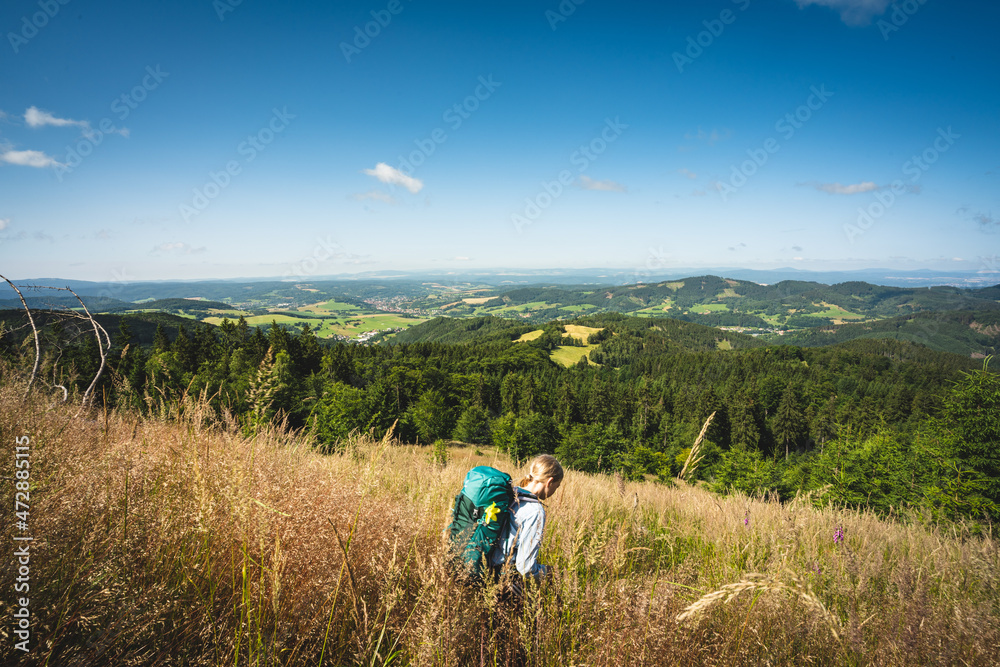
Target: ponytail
[(541, 468)]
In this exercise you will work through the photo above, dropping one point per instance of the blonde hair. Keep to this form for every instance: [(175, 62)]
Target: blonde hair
[(541, 468)]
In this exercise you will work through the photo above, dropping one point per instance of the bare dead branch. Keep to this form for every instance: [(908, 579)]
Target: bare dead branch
[(88, 396), (38, 345)]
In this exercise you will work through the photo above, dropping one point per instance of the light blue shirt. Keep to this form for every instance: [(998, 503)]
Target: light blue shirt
[(523, 535)]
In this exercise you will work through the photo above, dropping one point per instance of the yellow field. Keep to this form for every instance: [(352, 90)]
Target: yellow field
[(580, 332), (326, 306), (475, 301), (569, 355)]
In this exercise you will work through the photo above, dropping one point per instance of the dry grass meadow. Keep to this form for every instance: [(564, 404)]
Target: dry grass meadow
[(177, 541)]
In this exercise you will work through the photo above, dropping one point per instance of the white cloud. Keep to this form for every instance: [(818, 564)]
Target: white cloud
[(29, 159), (178, 247), (35, 117), (588, 183), (686, 172), (461, 258), (374, 194), (4, 223), (852, 12), (853, 189), (393, 176)]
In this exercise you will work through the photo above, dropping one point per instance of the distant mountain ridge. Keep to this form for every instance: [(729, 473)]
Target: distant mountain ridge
[(127, 290), (799, 312)]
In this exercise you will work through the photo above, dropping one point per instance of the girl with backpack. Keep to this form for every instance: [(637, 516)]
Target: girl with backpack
[(499, 525), (518, 547), (523, 537)]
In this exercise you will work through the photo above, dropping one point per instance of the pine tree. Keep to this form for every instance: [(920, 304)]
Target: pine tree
[(824, 428), (789, 422), (745, 422), (160, 341)]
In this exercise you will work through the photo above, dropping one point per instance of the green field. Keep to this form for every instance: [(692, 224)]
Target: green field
[(569, 355), (770, 319), (578, 308), (835, 313), (179, 313), (352, 325), (331, 305), (659, 309), (215, 316), (534, 305), (706, 308)]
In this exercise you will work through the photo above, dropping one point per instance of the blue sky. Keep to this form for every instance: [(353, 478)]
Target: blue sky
[(201, 139)]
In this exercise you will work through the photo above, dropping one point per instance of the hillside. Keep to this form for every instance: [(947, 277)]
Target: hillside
[(678, 334), (367, 311), (969, 333), (142, 325), (186, 542), (725, 302), (456, 331), (54, 300), (196, 308)]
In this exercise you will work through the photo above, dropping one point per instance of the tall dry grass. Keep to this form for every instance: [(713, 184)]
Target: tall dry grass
[(180, 542)]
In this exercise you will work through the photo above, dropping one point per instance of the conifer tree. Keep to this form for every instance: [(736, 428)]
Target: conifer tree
[(789, 422)]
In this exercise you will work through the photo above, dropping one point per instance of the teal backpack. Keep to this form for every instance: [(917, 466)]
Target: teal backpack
[(478, 520)]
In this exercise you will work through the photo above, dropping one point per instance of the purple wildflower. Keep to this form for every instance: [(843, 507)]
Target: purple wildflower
[(746, 519), (838, 536)]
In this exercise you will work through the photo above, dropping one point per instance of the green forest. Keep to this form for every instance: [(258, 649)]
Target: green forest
[(880, 423)]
